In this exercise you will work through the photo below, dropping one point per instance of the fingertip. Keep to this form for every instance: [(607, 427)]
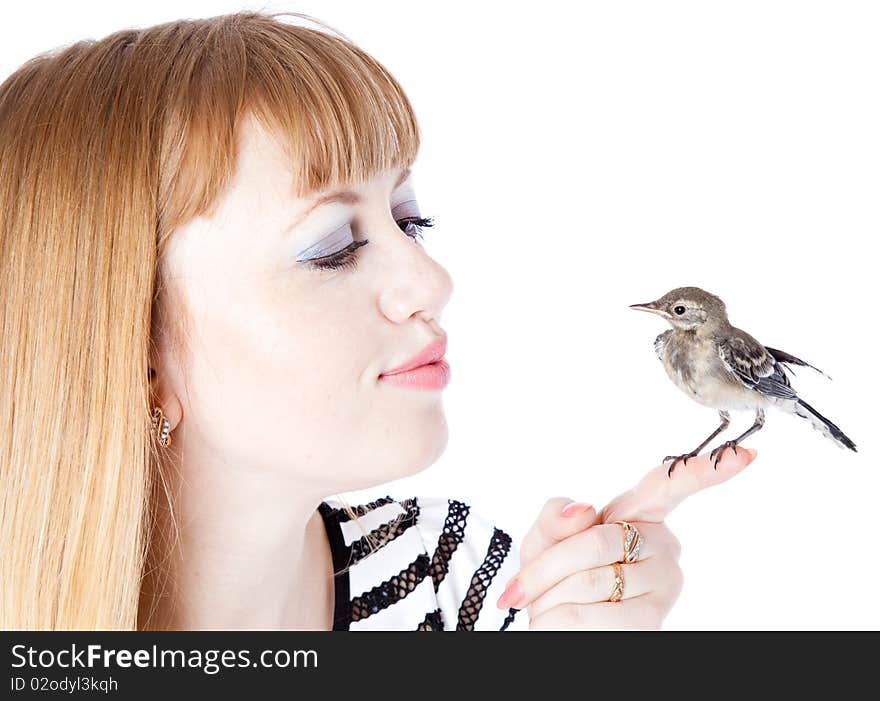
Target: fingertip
[(745, 460), (736, 461), (574, 508)]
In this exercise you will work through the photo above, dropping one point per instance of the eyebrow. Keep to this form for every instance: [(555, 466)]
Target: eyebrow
[(346, 196)]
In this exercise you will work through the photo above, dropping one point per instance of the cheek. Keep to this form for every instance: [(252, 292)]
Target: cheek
[(277, 379)]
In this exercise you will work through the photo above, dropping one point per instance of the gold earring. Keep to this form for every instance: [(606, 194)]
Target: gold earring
[(163, 434)]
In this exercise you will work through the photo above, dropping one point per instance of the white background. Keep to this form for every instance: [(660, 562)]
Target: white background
[(581, 157)]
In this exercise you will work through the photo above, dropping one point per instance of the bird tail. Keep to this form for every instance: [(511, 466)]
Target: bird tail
[(820, 423)]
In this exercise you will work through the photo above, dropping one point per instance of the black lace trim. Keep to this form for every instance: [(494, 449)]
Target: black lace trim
[(507, 621), (499, 546), (433, 621), (398, 587), (452, 535), (363, 509), (391, 591), (387, 531)]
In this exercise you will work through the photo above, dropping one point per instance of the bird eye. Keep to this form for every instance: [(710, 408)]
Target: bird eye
[(679, 310)]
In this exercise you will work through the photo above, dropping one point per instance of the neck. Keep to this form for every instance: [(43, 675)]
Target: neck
[(252, 554), (705, 330), (710, 328)]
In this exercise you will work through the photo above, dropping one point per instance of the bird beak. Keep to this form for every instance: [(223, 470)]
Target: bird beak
[(651, 307)]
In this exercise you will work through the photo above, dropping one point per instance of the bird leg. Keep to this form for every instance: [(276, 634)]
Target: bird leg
[(725, 422), (759, 422)]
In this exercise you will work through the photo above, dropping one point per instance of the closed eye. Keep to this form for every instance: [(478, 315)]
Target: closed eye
[(347, 257)]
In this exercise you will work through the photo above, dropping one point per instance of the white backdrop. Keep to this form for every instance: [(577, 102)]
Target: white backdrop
[(582, 157)]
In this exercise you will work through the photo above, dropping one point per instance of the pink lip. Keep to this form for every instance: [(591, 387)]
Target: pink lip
[(430, 376), (431, 353), (425, 370)]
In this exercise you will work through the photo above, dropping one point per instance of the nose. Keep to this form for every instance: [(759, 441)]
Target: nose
[(413, 283)]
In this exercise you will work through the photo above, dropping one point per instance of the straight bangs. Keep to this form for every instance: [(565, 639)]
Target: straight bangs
[(343, 118), (338, 114)]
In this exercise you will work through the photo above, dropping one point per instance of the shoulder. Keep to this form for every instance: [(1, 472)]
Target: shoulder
[(463, 559)]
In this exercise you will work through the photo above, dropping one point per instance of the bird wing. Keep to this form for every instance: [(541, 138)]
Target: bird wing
[(754, 366), (660, 343), (787, 358)]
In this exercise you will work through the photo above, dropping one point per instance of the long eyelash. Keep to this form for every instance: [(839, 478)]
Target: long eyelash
[(347, 258), (418, 222)]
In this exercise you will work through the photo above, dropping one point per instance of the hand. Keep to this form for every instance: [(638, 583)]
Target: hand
[(567, 574)]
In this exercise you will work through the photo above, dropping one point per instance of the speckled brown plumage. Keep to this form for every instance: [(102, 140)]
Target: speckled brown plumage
[(725, 368)]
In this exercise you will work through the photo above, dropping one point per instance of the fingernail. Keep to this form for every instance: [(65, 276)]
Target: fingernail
[(575, 508), (753, 452), (511, 596)]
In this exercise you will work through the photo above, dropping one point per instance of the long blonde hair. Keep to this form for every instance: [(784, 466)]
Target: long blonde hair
[(106, 147)]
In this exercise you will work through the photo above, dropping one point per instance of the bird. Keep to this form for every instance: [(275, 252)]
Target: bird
[(723, 367)]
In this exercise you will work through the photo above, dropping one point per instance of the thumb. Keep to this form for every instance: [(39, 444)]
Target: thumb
[(658, 494)]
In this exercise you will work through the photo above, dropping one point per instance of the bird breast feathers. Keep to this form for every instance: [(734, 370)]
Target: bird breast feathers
[(660, 343)]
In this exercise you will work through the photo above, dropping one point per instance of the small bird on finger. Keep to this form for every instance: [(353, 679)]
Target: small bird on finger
[(723, 367)]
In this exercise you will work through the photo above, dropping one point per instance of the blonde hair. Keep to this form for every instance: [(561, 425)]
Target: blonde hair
[(106, 147)]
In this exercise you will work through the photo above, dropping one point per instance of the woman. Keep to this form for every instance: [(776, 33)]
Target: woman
[(211, 279)]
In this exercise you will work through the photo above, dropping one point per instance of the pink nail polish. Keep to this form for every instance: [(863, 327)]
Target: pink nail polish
[(576, 507), (511, 596)]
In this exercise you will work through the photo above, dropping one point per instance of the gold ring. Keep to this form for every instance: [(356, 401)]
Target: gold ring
[(632, 542), (617, 594)]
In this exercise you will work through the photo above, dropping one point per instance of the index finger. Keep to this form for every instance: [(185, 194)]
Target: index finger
[(594, 547), (658, 494)]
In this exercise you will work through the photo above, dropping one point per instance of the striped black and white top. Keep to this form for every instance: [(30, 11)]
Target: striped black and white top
[(439, 566)]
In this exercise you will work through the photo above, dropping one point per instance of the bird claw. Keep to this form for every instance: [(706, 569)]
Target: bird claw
[(720, 450), (675, 459)]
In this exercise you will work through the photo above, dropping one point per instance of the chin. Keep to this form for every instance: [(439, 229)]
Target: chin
[(417, 452), (403, 454)]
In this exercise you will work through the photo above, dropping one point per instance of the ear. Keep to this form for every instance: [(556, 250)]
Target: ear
[(163, 396)]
